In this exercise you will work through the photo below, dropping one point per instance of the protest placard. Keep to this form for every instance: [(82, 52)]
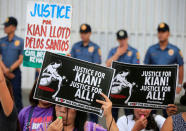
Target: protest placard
[(47, 29), (73, 83), (143, 86)]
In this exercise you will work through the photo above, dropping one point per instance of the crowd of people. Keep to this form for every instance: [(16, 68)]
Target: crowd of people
[(43, 116)]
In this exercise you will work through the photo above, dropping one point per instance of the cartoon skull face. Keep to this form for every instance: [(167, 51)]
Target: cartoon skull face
[(124, 74), (57, 65)]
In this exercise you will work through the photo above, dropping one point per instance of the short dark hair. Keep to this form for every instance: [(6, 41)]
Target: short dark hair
[(33, 102)]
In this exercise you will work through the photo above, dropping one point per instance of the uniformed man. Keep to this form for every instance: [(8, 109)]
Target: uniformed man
[(164, 53), (122, 53), (11, 51), (88, 51)]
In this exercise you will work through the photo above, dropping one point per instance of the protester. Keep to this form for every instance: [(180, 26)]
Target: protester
[(175, 123), (142, 119), (39, 112), (8, 113), (11, 51), (66, 119), (88, 51)]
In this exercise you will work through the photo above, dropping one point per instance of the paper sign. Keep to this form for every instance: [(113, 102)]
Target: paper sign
[(143, 86), (47, 29), (73, 83)]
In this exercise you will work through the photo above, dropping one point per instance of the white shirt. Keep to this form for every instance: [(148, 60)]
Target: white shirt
[(126, 123)]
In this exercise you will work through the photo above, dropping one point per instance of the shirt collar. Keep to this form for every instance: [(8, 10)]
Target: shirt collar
[(14, 38), (158, 46), (87, 45), (129, 48)]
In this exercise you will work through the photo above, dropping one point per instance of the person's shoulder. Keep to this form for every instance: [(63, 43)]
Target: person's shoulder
[(113, 49), (94, 44), (153, 46), (174, 47), (133, 49), (77, 44), (125, 118), (177, 116), (25, 110), (159, 118), (167, 125), (3, 38), (19, 38), (123, 121)]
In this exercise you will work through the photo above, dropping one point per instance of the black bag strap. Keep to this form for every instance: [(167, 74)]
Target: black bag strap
[(29, 118)]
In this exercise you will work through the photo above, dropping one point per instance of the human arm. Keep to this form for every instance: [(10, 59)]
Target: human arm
[(16, 64), (180, 79), (5, 97), (114, 56), (107, 107), (167, 126), (6, 71)]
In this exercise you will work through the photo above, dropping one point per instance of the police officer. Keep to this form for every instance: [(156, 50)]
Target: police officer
[(122, 53), (164, 53), (88, 51), (11, 51)]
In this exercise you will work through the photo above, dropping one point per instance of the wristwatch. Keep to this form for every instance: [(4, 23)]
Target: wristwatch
[(179, 86)]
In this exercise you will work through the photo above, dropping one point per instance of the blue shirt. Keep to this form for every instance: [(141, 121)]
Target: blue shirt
[(170, 55), (130, 56), (90, 53), (11, 50)]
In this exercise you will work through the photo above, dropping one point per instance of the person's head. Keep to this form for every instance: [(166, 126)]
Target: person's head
[(163, 32), (151, 123), (124, 73), (139, 112), (10, 25), (70, 117), (57, 64), (85, 32), (35, 102), (122, 37)]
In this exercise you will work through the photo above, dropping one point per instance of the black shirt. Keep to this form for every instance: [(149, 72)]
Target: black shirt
[(8, 123)]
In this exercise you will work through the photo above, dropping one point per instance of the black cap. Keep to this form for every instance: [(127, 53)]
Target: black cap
[(163, 27), (85, 28), (10, 21), (122, 34)]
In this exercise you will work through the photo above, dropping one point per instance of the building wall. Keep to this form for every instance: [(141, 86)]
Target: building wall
[(139, 17)]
